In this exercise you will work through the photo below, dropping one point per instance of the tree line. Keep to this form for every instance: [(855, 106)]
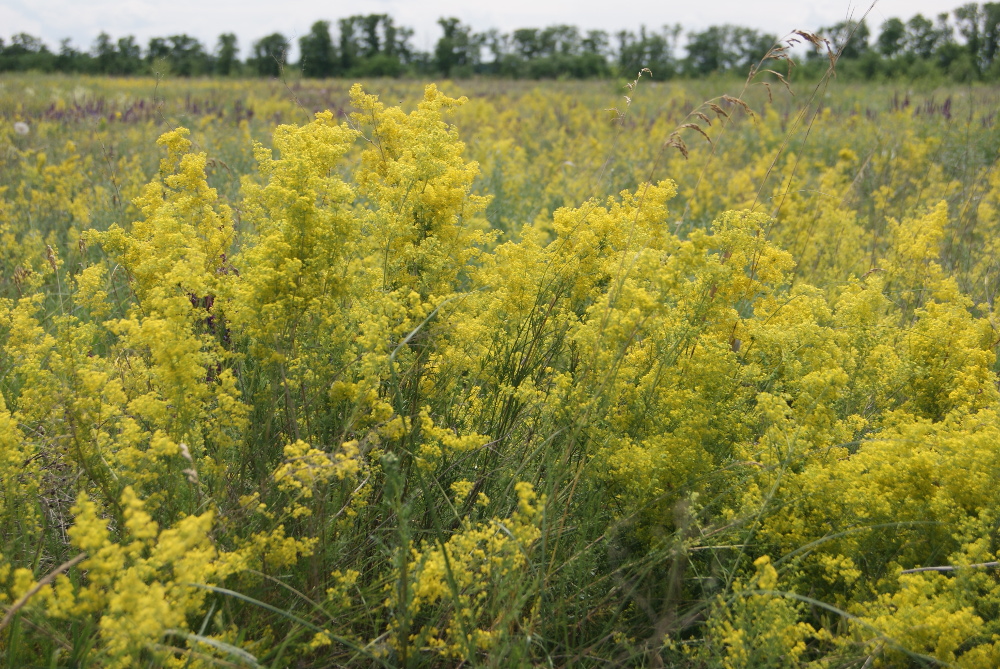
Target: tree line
[(961, 45)]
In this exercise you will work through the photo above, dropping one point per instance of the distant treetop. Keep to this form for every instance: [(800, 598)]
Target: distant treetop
[(961, 45)]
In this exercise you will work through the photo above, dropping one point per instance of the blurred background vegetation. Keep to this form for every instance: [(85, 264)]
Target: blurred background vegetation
[(960, 46)]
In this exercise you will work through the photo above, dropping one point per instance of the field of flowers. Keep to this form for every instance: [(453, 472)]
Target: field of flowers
[(498, 374)]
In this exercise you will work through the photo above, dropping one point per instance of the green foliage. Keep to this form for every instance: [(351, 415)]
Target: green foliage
[(226, 61), (317, 55), (457, 52), (269, 55)]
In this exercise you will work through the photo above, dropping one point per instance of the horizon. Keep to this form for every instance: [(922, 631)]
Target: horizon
[(55, 20)]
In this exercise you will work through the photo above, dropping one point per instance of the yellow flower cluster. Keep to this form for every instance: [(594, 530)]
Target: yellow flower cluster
[(465, 580), (355, 391), (142, 588)]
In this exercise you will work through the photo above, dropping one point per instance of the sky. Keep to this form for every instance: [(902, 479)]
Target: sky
[(82, 20)]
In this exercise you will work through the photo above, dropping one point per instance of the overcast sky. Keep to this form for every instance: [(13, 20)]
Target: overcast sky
[(82, 20)]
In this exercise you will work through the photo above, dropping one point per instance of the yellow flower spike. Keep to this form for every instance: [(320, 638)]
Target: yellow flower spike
[(461, 489), (319, 640), (140, 524), (767, 576), (177, 144), (88, 533), (470, 561)]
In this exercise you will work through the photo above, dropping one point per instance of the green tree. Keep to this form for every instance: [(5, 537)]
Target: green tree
[(991, 32), (372, 45), (227, 55), (726, 49), (892, 38), (849, 38), (187, 56), (457, 52), (158, 49), (121, 57), (318, 57), (561, 40), (592, 58), (497, 43), (596, 42), (652, 50), (371, 42), (923, 38), (349, 49), (969, 19), (104, 53), (26, 52), (527, 42), (129, 55), (269, 55), (70, 59)]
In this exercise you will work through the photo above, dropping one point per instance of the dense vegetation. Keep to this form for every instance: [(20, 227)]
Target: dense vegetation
[(289, 387), (959, 46)]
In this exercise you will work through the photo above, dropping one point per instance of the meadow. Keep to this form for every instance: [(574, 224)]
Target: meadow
[(493, 373)]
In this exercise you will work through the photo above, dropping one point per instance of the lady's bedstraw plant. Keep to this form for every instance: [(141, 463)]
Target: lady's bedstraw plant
[(141, 590), (181, 395), (459, 593), (319, 416)]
